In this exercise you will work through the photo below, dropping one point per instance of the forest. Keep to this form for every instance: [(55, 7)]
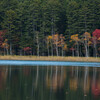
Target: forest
[(50, 27)]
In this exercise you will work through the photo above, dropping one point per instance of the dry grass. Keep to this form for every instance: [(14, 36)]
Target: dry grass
[(51, 58)]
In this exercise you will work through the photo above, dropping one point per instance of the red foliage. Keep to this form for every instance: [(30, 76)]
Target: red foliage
[(27, 50), (3, 31), (96, 33), (72, 49)]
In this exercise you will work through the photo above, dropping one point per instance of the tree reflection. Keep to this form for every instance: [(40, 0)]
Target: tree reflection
[(3, 77), (37, 75), (49, 83), (56, 78), (73, 83), (86, 81), (96, 83)]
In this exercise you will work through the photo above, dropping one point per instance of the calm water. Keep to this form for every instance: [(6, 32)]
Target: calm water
[(49, 82)]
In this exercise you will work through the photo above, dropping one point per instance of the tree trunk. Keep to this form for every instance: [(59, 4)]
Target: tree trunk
[(7, 51), (4, 50), (73, 53), (86, 51), (86, 48), (56, 49), (77, 49), (52, 33), (10, 48), (48, 48), (95, 48), (62, 52), (51, 48), (38, 46)]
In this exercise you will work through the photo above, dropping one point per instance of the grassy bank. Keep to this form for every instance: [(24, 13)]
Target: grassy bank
[(50, 58)]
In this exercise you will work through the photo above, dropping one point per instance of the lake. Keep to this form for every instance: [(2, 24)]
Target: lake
[(40, 80)]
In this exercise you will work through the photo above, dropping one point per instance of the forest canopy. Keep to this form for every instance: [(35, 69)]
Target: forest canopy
[(50, 27)]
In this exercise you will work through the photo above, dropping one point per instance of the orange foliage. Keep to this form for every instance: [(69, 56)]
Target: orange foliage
[(65, 47), (75, 37), (5, 44), (87, 35), (58, 40), (49, 37)]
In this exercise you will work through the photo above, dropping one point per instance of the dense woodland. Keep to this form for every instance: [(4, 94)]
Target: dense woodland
[(50, 27)]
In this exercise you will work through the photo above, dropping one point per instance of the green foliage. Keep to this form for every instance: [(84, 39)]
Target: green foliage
[(23, 19)]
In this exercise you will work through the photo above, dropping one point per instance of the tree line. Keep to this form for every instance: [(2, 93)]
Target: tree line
[(50, 27)]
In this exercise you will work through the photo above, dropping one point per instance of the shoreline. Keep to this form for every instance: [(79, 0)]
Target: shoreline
[(51, 58)]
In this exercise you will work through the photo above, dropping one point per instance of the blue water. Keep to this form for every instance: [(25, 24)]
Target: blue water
[(45, 63)]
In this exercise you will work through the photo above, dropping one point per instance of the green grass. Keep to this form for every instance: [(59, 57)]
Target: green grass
[(51, 58)]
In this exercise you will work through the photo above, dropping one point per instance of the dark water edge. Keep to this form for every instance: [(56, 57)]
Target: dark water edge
[(49, 83), (51, 63)]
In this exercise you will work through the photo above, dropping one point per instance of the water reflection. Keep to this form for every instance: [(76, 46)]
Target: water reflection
[(96, 83), (49, 83)]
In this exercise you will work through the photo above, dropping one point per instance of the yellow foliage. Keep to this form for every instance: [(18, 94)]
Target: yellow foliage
[(55, 37), (89, 42), (87, 35), (57, 40), (62, 37), (49, 37), (65, 47), (6, 40), (70, 41), (85, 39), (5, 44), (75, 37)]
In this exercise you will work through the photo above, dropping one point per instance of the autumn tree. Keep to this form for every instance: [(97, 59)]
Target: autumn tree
[(49, 44), (1, 39), (62, 44), (76, 40), (5, 45), (9, 25), (56, 42), (95, 39), (30, 22), (27, 50), (86, 42)]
